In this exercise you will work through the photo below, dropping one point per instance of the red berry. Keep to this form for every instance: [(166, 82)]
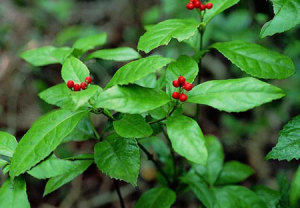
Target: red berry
[(209, 5), (197, 4), (182, 97), (70, 84), (176, 83), (181, 80), (202, 7), (83, 85), (190, 6), (88, 80), (175, 95), (188, 86), (76, 87)]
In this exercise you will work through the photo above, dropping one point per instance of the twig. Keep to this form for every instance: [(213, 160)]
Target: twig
[(157, 165), (167, 116), (119, 194)]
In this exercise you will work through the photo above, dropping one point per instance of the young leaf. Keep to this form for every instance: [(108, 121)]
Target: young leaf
[(138, 69), (187, 138), (131, 99), (81, 98), (118, 158), (115, 54), (51, 167), (90, 42), (161, 197), (185, 66), (2, 162), (234, 172), (200, 189), (237, 196), (295, 189), (8, 144), (219, 6), (257, 60), (215, 159), (132, 126), (74, 69), (13, 195), (234, 95), (46, 55), (59, 95), (78, 168), (83, 131), (287, 147), (286, 17), (163, 32), (42, 138)]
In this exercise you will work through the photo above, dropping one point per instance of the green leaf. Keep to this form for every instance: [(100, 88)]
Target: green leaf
[(2, 162), (288, 145), (78, 168), (74, 69), (51, 167), (42, 138), (234, 95), (148, 81), (237, 196), (59, 95), (257, 60), (234, 172), (187, 138), (215, 159), (185, 66), (286, 17), (163, 32), (269, 196), (118, 158), (138, 69), (295, 189), (8, 144), (83, 131), (200, 189), (46, 55), (132, 126), (13, 195), (81, 98), (115, 54), (219, 7), (157, 198), (131, 99), (90, 42)]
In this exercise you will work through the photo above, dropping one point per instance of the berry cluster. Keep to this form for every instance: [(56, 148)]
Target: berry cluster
[(81, 86), (183, 85), (197, 4)]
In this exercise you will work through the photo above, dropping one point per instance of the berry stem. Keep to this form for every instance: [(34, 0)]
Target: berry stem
[(167, 116)]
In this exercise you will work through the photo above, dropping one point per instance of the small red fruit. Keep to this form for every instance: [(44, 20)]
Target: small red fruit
[(202, 7), (70, 84), (76, 87), (183, 97), (181, 80), (83, 85), (190, 6), (176, 83), (188, 86), (175, 95), (88, 80), (209, 5), (197, 4)]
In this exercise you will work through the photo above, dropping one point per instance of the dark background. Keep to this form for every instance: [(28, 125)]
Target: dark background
[(246, 137)]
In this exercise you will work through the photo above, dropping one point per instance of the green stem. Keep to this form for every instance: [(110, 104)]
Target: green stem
[(167, 116), (202, 31)]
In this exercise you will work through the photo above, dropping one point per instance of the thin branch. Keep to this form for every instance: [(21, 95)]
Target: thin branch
[(119, 194), (157, 165), (167, 116)]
